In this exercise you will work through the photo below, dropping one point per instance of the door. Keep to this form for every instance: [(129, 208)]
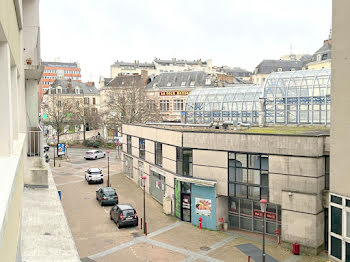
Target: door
[(186, 207)]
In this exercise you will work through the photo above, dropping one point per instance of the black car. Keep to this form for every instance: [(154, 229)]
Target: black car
[(107, 195), (124, 215)]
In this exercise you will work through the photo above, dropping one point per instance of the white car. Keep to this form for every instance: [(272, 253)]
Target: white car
[(94, 175), (94, 154)]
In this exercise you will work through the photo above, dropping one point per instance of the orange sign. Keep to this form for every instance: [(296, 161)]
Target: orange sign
[(174, 93)]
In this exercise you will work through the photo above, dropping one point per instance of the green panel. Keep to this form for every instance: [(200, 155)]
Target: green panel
[(336, 248), (178, 198)]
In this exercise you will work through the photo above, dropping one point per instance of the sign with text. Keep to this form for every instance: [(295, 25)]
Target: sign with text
[(61, 149), (269, 215), (174, 93)]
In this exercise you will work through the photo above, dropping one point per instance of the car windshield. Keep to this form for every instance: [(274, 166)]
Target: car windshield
[(89, 153), (110, 193), (129, 212), (95, 173)]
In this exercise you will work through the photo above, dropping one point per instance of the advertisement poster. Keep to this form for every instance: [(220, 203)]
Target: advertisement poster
[(61, 149), (203, 206)]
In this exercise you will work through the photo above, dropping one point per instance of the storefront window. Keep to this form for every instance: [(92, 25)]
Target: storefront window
[(129, 166), (184, 165), (336, 220), (158, 153), (142, 148)]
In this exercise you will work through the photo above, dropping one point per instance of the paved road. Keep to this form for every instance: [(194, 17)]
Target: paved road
[(98, 239)]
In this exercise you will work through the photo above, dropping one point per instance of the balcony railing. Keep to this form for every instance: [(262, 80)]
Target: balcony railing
[(35, 142)]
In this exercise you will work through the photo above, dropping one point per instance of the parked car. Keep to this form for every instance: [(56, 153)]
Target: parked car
[(107, 195), (46, 148), (94, 175), (124, 215), (94, 154)]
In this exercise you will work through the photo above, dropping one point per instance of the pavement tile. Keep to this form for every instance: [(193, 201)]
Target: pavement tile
[(143, 252), (190, 237)]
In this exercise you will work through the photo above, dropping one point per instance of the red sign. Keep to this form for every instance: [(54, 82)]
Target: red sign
[(174, 93), (269, 215)]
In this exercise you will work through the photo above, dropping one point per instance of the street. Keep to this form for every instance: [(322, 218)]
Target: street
[(98, 239)]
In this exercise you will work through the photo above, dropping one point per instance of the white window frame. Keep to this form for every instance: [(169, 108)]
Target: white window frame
[(178, 105), (164, 105)]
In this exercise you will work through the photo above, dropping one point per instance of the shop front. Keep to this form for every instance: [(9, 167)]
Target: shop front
[(157, 186), (246, 214), (194, 199)]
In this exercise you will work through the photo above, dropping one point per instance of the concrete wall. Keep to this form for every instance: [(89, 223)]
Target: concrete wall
[(340, 135)]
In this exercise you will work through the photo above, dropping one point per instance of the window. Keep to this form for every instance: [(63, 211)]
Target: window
[(192, 83), (292, 69), (336, 247), (164, 105), (158, 153), (184, 162), (128, 144), (178, 105), (183, 83), (326, 172), (207, 81), (86, 100), (94, 101), (319, 58), (324, 57), (59, 90), (336, 220), (336, 200), (168, 84), (248, 176), (77, 91), (347, 224), (142, 148), (59, 103), (94, 110)]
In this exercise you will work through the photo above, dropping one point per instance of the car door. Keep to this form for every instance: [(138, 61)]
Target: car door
[(114, 213), (86, 174), (98, 194)]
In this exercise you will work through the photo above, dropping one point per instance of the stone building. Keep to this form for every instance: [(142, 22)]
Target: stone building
[(198, 171)]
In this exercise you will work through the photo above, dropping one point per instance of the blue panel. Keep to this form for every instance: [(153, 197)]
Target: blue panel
[(203, 192)]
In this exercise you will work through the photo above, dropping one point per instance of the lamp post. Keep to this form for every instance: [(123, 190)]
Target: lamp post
[(108, 167), (144, 205), (263, 205)]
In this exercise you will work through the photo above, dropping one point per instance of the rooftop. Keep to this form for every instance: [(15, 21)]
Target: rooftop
[(268, 130)]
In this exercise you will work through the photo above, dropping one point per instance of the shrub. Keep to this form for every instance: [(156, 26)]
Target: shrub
[(96, 144)]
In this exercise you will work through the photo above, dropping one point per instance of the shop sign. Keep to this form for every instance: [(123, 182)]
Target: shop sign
[(269, 215), (174, 93), (203, 206)]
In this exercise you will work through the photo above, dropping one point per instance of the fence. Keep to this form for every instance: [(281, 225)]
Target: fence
[(35, 142)]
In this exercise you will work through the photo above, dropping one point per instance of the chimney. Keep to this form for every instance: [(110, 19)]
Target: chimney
[(144, 76), (69, 86)]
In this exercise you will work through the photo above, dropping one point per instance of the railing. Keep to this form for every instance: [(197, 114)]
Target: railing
[(35, 142)]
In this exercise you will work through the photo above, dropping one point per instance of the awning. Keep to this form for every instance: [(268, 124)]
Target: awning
[(196, 181)]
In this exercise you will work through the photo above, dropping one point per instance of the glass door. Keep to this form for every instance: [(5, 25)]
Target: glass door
[(186, 207)]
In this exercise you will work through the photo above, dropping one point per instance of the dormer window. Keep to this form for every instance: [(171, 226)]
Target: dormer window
[(77, 91), (279, 69), (192, 83), (324, 57), (183, 83), (59, 90), (155, 85), (168, 84), (292, 69), (319, 58)]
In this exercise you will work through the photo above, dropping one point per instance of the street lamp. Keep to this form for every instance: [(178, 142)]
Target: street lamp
[(108, 167), (144, 205), (263, 205)]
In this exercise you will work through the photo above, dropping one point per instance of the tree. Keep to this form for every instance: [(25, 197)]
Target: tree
[(127, 105), (60, 112)]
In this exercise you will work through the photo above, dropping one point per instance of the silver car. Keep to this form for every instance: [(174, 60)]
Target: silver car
[(94, 154)]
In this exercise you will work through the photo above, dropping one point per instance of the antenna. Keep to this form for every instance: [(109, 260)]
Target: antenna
[(330, 34)]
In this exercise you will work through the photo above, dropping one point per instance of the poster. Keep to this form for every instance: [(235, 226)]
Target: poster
[(203, 206), (61, 149)]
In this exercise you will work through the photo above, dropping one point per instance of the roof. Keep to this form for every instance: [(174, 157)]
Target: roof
[(124, 207), (126, 81), (325, 51), (174, 61), (268, 66), (86, 88), (135, 64), (181, 79), (60, 64), (108, 189)]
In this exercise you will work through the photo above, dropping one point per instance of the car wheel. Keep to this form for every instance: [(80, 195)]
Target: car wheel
[(118, 225), (101, 203), (136, 224), (110, 216), (89, 182), (104, 155), (95, 157)]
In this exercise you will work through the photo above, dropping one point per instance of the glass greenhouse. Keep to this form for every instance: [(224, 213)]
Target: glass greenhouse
[(235, 103), (291, 97), (299, 97)]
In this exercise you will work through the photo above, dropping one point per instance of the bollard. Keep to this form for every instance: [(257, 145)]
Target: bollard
[(248, 258), (200, 223)]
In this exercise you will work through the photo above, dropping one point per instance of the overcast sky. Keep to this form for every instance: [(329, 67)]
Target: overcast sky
[(230, 32)]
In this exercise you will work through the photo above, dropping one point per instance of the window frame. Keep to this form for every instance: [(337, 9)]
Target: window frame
[(142, 155), (158, 154), (164, 105), (129, 144)]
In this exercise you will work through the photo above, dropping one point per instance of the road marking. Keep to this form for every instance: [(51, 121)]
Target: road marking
[(164, 229), (62, 184), (105, 210)]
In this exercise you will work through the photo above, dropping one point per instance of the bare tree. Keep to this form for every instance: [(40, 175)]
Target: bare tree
[(126, 105), (60, 113)]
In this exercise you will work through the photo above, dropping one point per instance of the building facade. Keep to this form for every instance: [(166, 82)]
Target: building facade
[(57, 70), (339, 200), (322, 57), (158, 66)]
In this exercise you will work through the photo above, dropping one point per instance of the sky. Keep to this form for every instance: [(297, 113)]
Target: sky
[(96, 33)]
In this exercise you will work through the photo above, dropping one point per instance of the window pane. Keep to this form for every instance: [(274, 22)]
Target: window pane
[(264, 180), (254, 192), (254, 177), (233, 205), (347, 251), (336, 220), (246, 206), (241, 175), (265, 193), (242, 159), (264, 163), (254, 161), (337, 200), (336, 249), (231, 189), (348, 203), (241, 191)]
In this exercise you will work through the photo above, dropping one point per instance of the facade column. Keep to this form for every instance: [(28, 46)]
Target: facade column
[(6, 133), (15, 101)]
